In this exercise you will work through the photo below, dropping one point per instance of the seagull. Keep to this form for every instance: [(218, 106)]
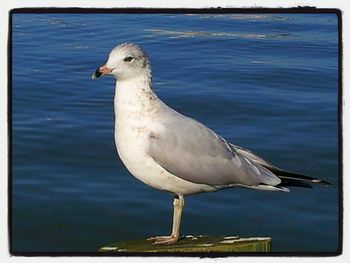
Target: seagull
[(174, 153)]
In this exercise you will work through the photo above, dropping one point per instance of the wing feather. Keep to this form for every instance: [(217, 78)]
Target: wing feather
[(193, 152)]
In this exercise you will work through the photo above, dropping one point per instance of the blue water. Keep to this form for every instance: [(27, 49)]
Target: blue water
[(267, 82)]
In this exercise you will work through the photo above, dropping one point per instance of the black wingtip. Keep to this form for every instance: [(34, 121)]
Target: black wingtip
[(321, 182), (294, 183), (291, 176)]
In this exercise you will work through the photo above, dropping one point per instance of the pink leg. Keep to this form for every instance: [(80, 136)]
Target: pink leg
[(179, 203)]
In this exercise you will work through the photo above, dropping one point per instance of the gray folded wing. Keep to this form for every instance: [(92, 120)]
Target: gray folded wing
[(251, 156), (193, 152)]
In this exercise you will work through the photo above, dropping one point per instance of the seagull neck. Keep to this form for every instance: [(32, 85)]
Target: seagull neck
[(135, 95)]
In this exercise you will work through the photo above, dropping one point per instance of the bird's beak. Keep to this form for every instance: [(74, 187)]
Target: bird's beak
[(101, 71)]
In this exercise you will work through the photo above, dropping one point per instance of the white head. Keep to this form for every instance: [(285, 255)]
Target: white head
[(125, 61)]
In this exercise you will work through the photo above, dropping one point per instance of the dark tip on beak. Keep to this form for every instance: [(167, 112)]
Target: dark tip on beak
[(97, 74)]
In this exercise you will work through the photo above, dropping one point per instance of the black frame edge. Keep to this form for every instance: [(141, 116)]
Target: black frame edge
[(9, 131)]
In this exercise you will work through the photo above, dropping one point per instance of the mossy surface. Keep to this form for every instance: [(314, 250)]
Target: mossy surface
[(196, 244)]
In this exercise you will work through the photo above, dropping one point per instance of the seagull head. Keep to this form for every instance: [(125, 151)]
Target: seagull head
[(125, 61)]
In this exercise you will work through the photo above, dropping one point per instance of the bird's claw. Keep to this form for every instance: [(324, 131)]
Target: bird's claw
[(163, 240)]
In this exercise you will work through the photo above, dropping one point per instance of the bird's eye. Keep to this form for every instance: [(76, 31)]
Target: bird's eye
[(128, 59)]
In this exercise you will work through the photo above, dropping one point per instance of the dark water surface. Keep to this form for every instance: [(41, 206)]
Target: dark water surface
[(265, 82)]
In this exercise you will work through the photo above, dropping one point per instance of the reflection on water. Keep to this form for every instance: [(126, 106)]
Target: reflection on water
[(180, 34)]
